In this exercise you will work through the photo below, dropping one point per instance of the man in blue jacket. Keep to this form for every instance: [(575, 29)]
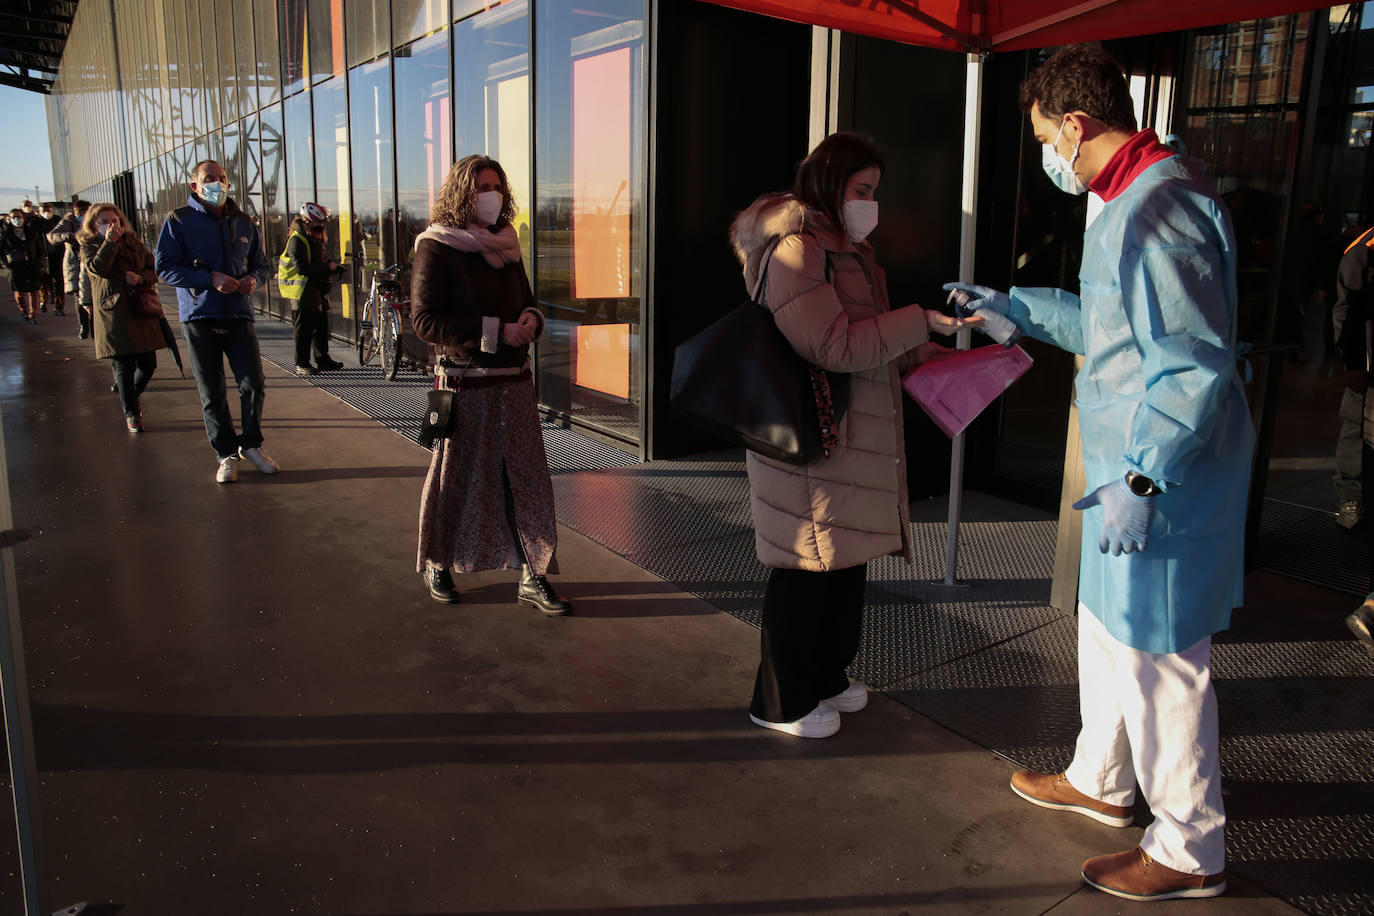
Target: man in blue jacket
[(1167, 447), (212, 253)]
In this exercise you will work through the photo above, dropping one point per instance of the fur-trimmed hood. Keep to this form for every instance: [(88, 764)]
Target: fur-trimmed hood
[(773, 217)]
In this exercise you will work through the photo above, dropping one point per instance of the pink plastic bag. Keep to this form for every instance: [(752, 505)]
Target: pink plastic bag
[(953, 388)]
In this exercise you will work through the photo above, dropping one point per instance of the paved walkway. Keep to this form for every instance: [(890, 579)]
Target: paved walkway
[(246, 703)]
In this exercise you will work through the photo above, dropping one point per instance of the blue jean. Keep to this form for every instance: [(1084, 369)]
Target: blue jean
[(211, 341)]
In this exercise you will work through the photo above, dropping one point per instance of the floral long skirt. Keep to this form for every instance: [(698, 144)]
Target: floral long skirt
[(464, 524)]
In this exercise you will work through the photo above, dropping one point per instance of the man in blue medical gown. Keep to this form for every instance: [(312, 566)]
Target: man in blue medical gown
[(1167, 444)]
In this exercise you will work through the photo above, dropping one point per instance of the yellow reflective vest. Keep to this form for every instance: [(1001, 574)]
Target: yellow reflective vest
[(289, 276)]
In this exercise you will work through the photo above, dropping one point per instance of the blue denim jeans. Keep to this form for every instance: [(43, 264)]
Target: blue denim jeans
[(211, 341)]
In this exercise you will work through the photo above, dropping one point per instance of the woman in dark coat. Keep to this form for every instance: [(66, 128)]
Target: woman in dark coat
[(119, 265), (488, 500), (25, 253)]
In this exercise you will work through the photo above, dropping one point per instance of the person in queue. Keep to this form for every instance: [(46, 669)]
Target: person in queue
[(488, 498), (817, 526), (25, 253), (52, 289), (304, 276), (212, 253), (1167, 444), (73, 281), (119, 265)]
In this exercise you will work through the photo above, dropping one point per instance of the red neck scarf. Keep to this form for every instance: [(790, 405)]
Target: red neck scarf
[(1135, 156)]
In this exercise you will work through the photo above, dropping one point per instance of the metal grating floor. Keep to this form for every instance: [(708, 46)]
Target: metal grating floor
[(993, 662)]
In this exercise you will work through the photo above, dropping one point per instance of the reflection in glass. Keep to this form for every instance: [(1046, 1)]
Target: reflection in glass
[(374, 197), (589, 228), (423, 147), (491, 74), (250, 191), (369, 28), (245, 53), (413, 18), (273, 155), (300, 160), (267, 78), (326, 39), (332, 192), (207, 64), (291, 29)]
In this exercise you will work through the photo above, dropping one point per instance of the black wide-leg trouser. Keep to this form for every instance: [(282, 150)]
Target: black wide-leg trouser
[(812, 625)]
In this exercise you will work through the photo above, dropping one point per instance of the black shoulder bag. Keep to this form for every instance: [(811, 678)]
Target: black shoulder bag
[(741, 379)]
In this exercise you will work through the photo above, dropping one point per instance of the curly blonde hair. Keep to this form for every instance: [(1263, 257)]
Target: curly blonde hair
[(456, 204), (87, 232)]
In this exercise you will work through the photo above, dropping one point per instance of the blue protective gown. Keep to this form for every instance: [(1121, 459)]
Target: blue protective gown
[(1159, 394)]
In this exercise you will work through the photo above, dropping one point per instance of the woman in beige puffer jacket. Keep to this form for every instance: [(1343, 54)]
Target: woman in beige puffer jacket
[(818, 525)]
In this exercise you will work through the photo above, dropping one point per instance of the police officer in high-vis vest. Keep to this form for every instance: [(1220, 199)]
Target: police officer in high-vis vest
[(305, 277)]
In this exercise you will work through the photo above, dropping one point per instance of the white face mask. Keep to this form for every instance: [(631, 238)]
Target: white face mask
[(860, 218), (1059, 169), (489, 204), (212, 192)]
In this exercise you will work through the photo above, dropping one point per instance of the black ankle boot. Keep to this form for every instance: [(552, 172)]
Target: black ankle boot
[(537, 591), (440, 583)]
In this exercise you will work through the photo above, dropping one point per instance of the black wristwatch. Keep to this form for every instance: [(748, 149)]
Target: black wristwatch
[(1141, 485)]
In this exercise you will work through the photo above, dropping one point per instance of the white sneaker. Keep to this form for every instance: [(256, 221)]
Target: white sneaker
[(228, 470), (852, 699), (821, 722), (261, 460)]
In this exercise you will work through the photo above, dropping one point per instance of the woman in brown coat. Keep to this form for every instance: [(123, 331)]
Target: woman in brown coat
[(118, 265), (817, 526), (488, 500)]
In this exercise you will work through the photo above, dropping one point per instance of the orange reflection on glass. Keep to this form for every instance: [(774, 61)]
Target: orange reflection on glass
[(601, 358), (601, 171)]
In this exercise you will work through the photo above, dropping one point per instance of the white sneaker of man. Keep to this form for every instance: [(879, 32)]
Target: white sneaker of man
[(228, 470), (261, 460), (852, 699)]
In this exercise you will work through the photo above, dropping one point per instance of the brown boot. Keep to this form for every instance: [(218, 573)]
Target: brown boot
[(1134, 875), (1052, 790)]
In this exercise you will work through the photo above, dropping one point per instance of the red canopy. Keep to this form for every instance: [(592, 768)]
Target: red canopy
[(1009, 25)]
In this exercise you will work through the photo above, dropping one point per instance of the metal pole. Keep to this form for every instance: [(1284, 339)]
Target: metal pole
[(968, 227), (15, 688)]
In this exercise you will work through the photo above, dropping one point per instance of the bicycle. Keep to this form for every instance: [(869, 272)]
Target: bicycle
[(380, 328)]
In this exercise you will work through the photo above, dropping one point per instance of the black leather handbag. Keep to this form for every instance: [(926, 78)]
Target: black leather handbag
[(741, 380)]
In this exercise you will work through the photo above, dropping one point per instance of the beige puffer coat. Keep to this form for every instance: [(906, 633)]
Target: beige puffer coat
[(847, 509)]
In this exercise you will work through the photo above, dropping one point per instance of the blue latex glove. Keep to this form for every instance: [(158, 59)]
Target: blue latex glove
[(969, 297), (1126, 525)]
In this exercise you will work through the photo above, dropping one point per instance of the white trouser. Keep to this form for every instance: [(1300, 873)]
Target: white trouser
[(1152, 719)]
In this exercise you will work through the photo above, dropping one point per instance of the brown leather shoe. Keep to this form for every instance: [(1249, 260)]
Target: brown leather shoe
[(1052, 790), (1134, 875)]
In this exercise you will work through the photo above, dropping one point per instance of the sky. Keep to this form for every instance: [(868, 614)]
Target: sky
[(25, 161)]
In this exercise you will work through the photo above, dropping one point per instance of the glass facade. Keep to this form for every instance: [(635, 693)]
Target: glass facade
[(363, 107)]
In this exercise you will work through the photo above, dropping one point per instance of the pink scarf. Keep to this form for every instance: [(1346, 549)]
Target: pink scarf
[(498, 248)]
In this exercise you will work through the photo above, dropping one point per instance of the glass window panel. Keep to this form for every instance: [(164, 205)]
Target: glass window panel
[(589, 232), (232, 157), (250, 191), (326, 39), (291, 29), (423, 132), (374, 196), (332, 191), (369, 31), (231, 46), (245, 53), (491, 106), (413, 18), (300, 160), (211, 47), (267, 63), (272, 152)]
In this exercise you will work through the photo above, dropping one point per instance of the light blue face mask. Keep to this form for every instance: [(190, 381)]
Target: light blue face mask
[(212, 193), (1059, 169)]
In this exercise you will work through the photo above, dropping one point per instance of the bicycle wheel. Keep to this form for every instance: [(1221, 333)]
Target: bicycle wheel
[(367, 333), (391, 343)]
